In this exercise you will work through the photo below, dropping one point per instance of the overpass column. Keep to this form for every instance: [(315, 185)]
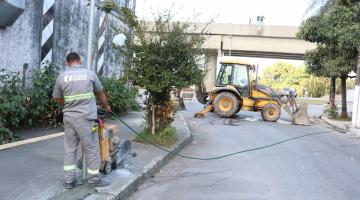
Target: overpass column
[(211, 64)]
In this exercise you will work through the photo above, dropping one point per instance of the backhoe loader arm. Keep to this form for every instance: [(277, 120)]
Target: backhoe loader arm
[(207, 108)]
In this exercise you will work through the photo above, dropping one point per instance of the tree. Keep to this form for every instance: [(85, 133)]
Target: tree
[(315, 86), (285, 75), (316, 29), (162, 55), (336, 33)]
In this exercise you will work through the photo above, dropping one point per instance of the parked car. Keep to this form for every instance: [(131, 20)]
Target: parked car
[(288, 91)]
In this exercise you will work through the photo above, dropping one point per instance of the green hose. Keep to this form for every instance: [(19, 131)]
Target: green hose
[(216, 157)]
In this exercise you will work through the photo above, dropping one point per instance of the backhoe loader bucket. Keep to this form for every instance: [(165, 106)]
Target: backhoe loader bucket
[(299, 116)]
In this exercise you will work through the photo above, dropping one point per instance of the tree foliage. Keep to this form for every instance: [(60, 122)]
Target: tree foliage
[(285, 75), (120, 95), (160, 56), (282, 74), (163, 56), (31, 106), (12, 108), (336, 32), (42, 109)]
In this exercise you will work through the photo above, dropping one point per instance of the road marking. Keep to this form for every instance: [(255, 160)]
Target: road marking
[(280, 121), (251, 119), (29, 141)]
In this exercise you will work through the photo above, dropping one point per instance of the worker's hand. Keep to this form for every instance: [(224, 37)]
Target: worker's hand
[(107, 108)]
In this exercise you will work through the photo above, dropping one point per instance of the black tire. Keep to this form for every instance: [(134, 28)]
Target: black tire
[(79, 164), (107, 167), (114, 164), (270, 112), (240, 106), (226, 104)]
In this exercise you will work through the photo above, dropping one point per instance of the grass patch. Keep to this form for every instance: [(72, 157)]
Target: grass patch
[(165, 138), (333, 114), (338, 118)]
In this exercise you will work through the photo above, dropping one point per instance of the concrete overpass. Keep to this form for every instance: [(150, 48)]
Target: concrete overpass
[(251, 41)]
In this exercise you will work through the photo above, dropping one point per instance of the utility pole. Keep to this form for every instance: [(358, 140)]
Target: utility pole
[(90, 36), (356, 106), (88, 66)]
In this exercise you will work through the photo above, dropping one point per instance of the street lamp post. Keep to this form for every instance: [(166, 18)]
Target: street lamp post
[(88, 66), (90, 35)]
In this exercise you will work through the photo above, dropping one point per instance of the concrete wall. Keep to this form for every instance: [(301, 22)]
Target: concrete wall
[(70, 30), (113, 60), (267, 44), (20, 43), (253, 40), (250, 30)]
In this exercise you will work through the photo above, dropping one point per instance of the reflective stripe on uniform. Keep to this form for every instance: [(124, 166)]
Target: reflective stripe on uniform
[(69, 167), (93, 172), (79, 96)]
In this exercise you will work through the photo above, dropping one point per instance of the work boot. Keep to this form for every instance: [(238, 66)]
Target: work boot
[(69, 186), (100, 183)]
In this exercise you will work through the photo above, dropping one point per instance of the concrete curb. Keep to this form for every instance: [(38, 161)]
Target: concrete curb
[(340, 127), (29, 141), (150, 169)]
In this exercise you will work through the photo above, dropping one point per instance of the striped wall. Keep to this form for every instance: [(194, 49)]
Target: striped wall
[(47, 35)]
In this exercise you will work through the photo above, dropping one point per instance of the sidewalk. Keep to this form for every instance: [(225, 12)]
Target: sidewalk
[(341, 126), (34, 171)]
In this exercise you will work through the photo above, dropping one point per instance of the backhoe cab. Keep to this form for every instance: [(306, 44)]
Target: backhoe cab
[(234, 91)]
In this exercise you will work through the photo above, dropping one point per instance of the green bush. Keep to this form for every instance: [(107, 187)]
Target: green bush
[(35, 106), (12, 104), (332, 113), (43, 110), (120, 95)]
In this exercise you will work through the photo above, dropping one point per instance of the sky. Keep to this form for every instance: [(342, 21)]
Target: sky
[(276, 12)]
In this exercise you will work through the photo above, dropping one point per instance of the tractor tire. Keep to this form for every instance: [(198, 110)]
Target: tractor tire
[(226, 104), (270, 112)]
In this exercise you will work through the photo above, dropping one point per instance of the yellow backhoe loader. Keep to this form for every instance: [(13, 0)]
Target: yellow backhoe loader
[(234, 91)]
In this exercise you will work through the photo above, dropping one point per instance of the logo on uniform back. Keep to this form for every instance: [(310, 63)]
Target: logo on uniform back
[(74, 77)]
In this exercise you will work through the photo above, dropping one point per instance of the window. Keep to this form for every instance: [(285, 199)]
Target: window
[(224, 77), (240, 76), (241, 79)]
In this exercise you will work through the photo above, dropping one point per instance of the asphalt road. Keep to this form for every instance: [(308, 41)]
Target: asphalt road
[(324, 166)]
